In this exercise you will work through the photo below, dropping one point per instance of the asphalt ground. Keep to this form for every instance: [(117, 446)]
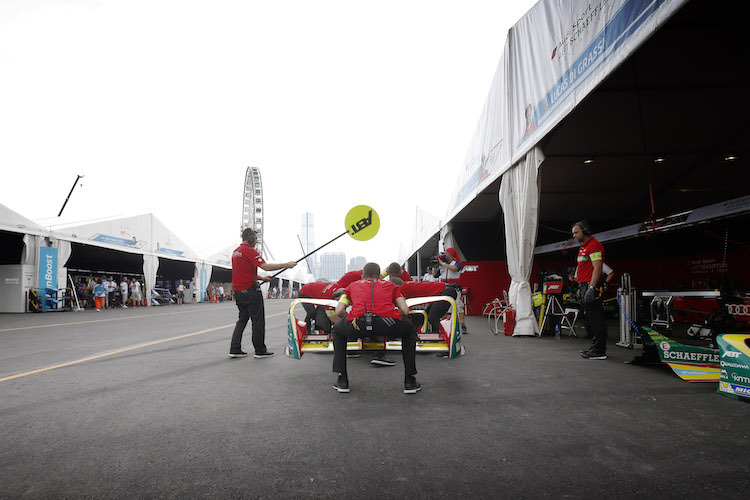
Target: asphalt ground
[(145, 403)]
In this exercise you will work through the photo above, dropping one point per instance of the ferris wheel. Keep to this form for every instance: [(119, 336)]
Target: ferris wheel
[(252, 204)]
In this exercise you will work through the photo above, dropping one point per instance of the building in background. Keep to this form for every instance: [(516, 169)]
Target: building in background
[(307, 237), (332, 266), (356, 263)]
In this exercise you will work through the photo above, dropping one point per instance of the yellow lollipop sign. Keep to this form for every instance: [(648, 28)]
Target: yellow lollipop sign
[(362, 223)]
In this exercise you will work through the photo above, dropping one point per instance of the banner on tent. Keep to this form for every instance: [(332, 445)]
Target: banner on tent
[(553, 68), (553, 58)]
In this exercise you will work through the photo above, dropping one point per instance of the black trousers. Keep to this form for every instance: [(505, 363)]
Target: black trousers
[(436, 310), (596, 322), (317, 313), (344, 330), (250, 305)]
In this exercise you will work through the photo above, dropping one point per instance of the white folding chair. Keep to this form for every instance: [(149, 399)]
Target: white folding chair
[(565, 321)]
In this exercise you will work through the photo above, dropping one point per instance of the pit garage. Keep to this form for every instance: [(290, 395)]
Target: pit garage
[(655, 157)]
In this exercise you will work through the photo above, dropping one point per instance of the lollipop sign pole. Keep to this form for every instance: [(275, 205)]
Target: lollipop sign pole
[(362, 223)]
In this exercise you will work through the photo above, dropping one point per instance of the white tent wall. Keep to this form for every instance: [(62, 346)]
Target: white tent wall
[(143, 234), (150, 267), (448, 241), (63, 254), (519, 197), (205, 279)]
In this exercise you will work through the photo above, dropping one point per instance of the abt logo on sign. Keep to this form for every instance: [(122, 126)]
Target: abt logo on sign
[(731, 354)]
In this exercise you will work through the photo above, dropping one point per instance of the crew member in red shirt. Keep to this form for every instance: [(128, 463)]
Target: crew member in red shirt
[(318, 290), (245, 263), (589, 275), (394, 270), (377, 309), (436, 310)]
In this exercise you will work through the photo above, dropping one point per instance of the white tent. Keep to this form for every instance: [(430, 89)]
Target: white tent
[(17, 276), (140, 234), (554, 57)]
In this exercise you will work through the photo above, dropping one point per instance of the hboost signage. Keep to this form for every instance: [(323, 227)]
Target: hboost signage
[(47, 270)]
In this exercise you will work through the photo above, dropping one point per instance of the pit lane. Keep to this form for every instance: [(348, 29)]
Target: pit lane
[(179, 419)]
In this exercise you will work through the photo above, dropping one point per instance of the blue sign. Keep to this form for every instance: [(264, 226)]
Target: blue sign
[(47, 272), (169, 251), (112, 240)]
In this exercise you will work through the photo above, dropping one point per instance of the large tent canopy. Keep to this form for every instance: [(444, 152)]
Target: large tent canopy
[(629, 104)]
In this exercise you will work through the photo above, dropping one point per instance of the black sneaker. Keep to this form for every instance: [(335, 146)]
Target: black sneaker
[(464, 331), (353, 354), (237, 354), (341, 384), (411, 386), (265, 354), (381, 360), (594, 355)]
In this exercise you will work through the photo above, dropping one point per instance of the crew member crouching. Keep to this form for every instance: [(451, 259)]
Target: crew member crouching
[(377, 307), (436, 310), (318, 314)]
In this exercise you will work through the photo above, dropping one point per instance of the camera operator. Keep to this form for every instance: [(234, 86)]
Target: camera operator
[(377, 309), (450, 272)]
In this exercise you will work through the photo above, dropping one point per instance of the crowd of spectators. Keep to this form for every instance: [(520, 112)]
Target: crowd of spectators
[(107, 292)]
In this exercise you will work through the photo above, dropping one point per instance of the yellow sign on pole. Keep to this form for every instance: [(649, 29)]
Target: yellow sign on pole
[(362, 223)]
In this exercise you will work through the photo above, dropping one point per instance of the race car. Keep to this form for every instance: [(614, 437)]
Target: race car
[(446, 342), (690, 363)]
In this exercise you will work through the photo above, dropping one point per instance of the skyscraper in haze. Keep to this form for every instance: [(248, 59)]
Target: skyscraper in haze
[(356, 263), (307, 236), (332, 266)]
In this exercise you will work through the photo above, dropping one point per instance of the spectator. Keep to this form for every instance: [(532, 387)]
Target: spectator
[(124, 292), (135, 290), (100, 291), (194, 291), (221, 292), (180, 293), (111, 292)]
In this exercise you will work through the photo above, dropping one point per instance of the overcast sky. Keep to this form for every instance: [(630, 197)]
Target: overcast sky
[(163, 104)]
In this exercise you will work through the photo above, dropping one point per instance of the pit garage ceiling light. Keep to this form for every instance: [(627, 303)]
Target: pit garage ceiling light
[(588, 161), (659, 160), (730, 158)]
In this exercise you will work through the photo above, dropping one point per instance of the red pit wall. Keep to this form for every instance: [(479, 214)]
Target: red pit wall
[(486, 283), (701, 271), (691, 272)]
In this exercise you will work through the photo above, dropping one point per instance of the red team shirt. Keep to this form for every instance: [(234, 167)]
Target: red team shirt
[(424, 289), (348, 279), (318, 290), (245, 262), (353, 276), (590, 251), (382, 293)]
